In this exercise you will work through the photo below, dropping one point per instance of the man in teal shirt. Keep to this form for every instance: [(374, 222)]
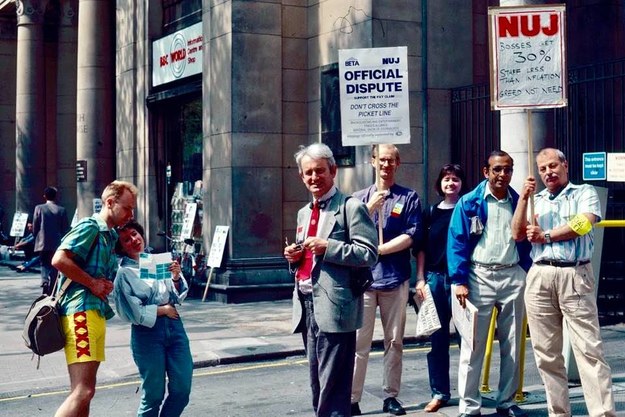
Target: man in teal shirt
[(87, 257)]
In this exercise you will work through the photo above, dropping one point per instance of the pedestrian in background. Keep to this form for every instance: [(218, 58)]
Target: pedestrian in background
[(49, 226), (325, 308), (27, 245), (398, 209), (86, 255), (561, 284), (487, 267), (159, 342), (432, 271)]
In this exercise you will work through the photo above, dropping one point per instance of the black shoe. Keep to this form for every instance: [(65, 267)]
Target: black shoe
[(514, 411), (391, 405), (356, 410)]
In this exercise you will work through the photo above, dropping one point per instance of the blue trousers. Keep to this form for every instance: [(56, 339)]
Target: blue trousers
[(438, 357), (160, 351)]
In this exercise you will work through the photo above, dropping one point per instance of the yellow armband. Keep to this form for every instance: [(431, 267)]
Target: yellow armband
[(580, 224)]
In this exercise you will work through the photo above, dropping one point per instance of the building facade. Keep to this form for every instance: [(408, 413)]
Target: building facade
[(202, 104)]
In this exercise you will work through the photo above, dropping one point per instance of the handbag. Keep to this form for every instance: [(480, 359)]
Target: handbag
[(360, 278), (43, 333)]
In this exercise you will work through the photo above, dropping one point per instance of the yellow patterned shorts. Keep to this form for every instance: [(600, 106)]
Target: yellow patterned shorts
[(85, 332)]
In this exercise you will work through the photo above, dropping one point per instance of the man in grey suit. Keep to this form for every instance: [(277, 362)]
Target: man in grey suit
[(49, 226), (333, 234)]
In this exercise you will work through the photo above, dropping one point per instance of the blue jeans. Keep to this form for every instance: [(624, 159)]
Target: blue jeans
[(160, 351), (438, 358)]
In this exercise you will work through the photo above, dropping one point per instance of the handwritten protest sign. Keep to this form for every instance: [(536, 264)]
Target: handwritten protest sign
[(528, 58), (374, 96), (18, 227)]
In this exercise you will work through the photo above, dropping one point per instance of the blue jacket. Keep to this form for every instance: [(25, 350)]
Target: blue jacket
[(461, 243)]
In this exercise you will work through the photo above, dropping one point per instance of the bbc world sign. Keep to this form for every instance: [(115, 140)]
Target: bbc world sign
[(178, 55)]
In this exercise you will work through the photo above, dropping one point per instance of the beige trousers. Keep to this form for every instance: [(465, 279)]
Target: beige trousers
[(554, 296), (393, 316)]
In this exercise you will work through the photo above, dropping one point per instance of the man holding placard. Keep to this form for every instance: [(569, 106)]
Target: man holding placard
[(398, 209), (486, 267), (561, 284)]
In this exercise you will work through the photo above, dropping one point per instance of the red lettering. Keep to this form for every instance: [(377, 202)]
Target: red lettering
[(164, 60), (528, 26), (508, 26), (553, 26), (178, 55)]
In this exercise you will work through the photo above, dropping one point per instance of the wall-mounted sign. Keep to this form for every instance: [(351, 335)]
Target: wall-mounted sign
[(616, 167), (594, 166), (178, 55), (81, 170)]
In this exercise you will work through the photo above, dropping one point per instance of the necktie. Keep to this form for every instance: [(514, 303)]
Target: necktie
[(303, 272)]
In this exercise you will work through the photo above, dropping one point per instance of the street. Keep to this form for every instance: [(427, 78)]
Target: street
[(280, 388), (247, 365)]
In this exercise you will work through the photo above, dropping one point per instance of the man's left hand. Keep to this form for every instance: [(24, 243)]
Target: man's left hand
[(316, 245)]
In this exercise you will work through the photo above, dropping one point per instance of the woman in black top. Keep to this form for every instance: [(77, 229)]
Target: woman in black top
[(432, 268)]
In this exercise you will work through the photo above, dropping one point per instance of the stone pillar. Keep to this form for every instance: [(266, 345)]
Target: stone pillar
[(66, 104), (30, 114), (515, 129), (95, 128), (242, 149)]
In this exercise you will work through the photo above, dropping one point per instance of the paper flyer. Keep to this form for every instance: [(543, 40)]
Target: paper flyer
[(154, 265)]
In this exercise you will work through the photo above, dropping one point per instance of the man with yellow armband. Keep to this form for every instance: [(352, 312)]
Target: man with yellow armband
[(561, 285)]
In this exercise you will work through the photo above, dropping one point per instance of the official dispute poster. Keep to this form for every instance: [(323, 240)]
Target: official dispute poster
[(374, 96), (528, 57)]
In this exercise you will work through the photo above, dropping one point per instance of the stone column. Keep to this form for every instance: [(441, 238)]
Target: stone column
[(515, 129), (95, 129), (30, 114), (66, 104)]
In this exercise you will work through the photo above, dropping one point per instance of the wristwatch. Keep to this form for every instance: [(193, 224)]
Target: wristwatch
[(548, 236)]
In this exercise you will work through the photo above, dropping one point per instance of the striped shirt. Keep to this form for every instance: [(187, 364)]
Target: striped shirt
[(496, 246), (93, 245), (572, 200)]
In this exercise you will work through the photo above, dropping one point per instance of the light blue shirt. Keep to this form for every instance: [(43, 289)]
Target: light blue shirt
[(572, 200), (496, 246), (137, 299)]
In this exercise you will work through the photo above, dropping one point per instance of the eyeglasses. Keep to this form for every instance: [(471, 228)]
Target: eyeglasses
[(383, 161), (499, 170)]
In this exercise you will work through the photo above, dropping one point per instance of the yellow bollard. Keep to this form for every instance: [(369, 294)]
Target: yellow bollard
[(489, 352), (520, 397)]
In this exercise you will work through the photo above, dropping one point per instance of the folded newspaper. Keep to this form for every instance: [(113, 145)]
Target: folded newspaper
[(465, 319), (427, 319)]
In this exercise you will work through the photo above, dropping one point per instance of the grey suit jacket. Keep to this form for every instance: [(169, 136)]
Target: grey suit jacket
[(49, 226), (336, 308)]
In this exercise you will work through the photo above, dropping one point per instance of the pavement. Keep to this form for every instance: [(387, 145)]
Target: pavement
[(223, 334)]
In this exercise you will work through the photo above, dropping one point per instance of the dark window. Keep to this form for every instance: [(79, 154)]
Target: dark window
[(178, 14), (331, 116)]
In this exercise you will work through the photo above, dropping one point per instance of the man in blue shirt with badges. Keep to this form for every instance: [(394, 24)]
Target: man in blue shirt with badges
[(401, 220), (561, 284)]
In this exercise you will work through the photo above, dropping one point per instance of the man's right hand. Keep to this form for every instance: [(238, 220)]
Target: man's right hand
[(529, 187), (293, 252), (376, 201), (462, 293), (101, 287)]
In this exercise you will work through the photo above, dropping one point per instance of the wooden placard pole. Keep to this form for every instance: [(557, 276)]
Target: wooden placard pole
[(208, 282), (378, 184), (530, 161)]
